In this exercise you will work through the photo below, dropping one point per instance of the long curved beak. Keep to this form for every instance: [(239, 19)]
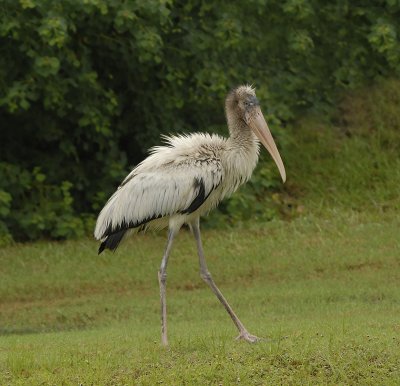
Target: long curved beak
[(256, 122)]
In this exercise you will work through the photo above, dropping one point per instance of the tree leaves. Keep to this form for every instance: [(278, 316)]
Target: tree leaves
[(87, 86), (46, 65)]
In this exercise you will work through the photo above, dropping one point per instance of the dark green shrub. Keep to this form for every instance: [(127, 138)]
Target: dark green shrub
[(87, 86)]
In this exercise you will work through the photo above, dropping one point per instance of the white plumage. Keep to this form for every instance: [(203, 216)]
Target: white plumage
[(186, 178), (167, 182)]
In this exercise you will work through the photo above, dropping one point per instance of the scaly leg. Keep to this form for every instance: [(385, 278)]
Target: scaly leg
[(162, 280), (206, 276)]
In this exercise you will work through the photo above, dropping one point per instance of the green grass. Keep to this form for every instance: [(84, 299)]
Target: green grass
[(354, 164), (324, 291)]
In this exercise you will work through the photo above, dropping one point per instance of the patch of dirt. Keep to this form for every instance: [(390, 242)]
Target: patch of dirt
[(376, 265)]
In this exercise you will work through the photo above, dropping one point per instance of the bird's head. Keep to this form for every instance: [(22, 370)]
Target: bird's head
[(243, 111)]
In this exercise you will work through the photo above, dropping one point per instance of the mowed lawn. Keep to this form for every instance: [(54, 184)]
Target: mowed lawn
[(322, 290)]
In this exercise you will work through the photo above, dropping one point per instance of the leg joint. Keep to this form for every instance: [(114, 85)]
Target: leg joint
[(162, 277), (206, 276)]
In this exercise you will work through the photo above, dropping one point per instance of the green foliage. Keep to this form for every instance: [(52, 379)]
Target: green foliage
[(41, 209), (86, 87)]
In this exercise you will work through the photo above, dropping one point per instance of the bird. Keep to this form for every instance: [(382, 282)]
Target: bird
[(183, 179)]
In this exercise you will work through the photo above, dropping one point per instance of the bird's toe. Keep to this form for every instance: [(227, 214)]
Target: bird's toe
[(248, 337)]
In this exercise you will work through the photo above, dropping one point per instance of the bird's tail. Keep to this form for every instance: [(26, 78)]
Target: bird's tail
[(112, 241)]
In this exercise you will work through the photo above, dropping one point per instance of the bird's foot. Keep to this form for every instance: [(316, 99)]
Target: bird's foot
[(245, 335)]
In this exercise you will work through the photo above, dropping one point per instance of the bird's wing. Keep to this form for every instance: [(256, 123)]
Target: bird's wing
[(146, 195)]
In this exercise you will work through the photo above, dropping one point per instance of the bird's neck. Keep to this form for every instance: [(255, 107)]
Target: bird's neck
[(242, 139), (243, 150)]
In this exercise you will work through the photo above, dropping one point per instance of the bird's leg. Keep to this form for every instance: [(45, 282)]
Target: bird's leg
[(162, 280), (206, 276)]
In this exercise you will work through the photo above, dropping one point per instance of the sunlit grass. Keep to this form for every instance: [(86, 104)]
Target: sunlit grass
[(324, 291)]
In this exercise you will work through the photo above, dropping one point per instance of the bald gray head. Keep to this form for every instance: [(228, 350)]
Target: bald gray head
[(243, 113), (239, 102)]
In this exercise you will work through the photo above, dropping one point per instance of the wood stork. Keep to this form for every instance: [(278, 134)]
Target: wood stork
[(185, 179)]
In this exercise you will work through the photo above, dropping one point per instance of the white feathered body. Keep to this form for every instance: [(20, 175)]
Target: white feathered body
[(179, 181)]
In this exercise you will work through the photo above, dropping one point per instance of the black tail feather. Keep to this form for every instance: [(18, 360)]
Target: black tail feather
[(112, 241)]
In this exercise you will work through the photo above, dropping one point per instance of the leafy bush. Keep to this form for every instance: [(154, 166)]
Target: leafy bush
[(87, 86)]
